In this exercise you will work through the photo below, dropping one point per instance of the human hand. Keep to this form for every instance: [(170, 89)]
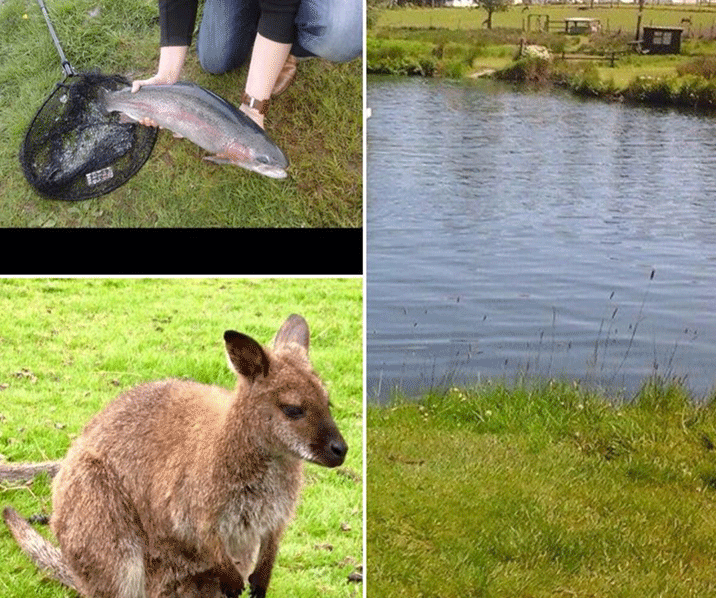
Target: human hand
[(171, 61), (157, 79)]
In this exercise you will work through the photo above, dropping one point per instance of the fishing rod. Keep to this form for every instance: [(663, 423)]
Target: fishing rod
[(73, 149), (66, 66)]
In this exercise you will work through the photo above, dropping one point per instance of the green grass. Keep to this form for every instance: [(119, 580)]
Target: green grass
[(542, 491), (703, 20), (68, 346), (317, 122), (415, 41)]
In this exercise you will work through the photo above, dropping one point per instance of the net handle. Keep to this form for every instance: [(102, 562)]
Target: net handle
[(66, 66)]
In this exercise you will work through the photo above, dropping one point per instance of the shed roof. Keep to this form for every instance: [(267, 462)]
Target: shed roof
[(663, 28)]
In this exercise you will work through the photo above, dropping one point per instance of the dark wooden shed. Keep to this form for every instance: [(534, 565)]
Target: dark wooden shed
[(661, 40)]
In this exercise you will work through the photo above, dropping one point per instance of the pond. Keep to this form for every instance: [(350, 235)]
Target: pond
[(515, 233)]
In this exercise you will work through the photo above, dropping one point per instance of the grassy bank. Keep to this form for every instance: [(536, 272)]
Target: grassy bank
[(689, 85), (452, 43), (542, 491), (176, 188), (67, 347)]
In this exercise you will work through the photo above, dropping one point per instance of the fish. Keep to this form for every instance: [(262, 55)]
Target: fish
[(204, 118)]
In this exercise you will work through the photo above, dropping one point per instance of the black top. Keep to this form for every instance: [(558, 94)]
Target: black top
[(177, 19)]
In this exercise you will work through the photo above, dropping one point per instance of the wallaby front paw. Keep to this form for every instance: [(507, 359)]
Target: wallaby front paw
[(257, 592), (232, 586)]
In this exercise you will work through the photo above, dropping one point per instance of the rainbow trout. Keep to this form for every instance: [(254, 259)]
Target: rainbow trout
[(205, 119)]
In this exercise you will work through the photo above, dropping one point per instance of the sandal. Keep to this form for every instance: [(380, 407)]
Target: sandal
[(286, 76)]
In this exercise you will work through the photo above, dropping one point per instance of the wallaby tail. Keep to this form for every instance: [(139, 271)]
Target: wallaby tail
[(46, 556), (24, 472)]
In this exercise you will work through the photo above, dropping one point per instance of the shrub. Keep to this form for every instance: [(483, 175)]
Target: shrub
[(688, 91), (585, 81), (697, 92), (400, 57), (705, 66), (652, 90), (528, 70), (453, 69)]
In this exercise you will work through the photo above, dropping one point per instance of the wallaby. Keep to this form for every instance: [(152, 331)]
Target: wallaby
[(179, 489)]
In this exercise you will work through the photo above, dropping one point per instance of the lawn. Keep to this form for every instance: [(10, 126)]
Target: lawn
[(541, 491), (317, 123), (613, 19), (453, 43), (68, 346)]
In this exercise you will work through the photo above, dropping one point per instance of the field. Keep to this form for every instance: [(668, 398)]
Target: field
[(542, 491), (613, 19), (69, 346), (317, 123), (454, 43)]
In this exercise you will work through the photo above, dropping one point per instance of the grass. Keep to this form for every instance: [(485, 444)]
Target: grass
[(543, 490), (68, 346), (414, 42), (703, 19), (317, 122)]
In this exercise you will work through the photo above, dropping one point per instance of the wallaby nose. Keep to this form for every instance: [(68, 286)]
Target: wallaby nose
[(338, 449)]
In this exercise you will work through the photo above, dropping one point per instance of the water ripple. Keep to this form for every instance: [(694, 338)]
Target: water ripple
[(517, 231)]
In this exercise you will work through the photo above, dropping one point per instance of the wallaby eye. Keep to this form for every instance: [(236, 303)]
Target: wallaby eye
[(293, 411)]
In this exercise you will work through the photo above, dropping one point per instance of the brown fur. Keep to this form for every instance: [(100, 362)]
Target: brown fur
[(181, 489), (45, 555), (24, 472)]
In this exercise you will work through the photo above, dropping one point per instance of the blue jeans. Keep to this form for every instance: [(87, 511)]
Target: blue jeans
[(330, 29)]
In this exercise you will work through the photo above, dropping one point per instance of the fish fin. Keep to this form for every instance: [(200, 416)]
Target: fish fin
[(124, 119), (274, 173), (217, 160)]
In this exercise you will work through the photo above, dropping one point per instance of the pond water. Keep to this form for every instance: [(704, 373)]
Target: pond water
[(515, 233)]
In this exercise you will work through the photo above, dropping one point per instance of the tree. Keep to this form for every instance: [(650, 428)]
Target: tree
[(492, 6)]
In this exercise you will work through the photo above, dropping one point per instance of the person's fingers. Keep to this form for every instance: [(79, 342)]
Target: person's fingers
[(137, 84), (155, 80)]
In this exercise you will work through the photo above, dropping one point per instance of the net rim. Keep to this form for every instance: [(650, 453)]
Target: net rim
[(145, 137)]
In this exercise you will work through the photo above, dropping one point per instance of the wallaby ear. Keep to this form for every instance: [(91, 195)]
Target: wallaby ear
[(293, 330), (246, 357)]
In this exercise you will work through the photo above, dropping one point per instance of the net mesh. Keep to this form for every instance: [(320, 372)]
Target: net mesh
[(74, 150)]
